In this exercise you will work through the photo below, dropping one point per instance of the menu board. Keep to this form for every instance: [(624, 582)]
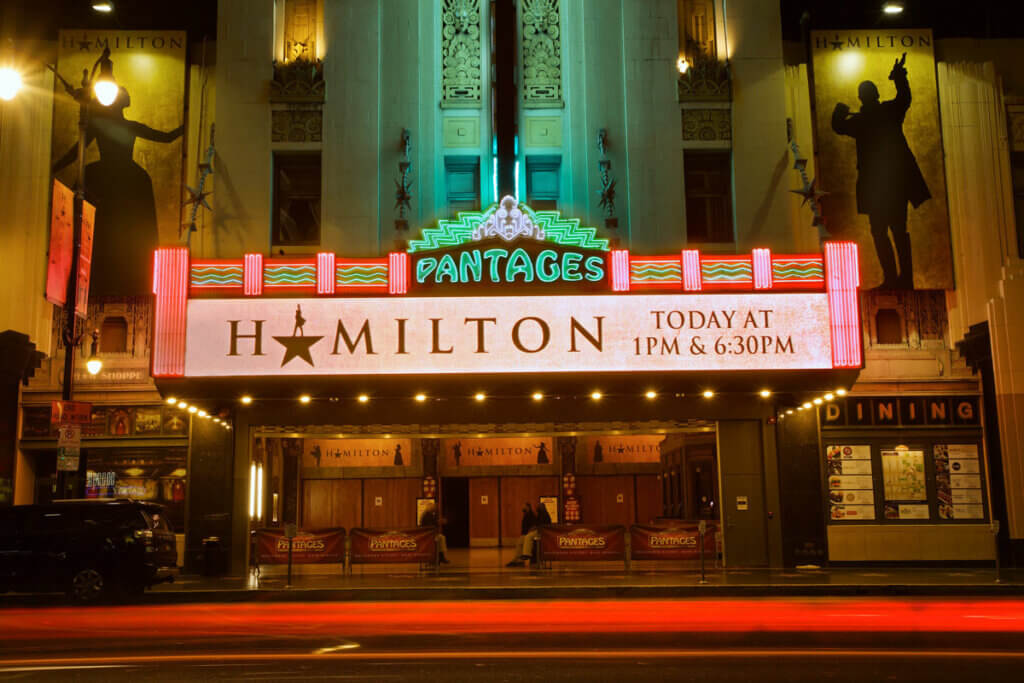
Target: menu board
[(958, 484), (904, 480), (850, 488)]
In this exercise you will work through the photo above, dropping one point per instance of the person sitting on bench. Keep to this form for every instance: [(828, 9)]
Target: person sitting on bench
[(429, 519)]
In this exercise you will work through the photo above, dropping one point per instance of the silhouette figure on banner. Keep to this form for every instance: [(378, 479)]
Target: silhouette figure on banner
[(598, 452), (300, 322), (457, 452), (542, 454), (888, 176), (398, 456), (125, 230)]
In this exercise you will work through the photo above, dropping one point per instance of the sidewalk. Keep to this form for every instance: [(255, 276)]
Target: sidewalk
[(400, 582)]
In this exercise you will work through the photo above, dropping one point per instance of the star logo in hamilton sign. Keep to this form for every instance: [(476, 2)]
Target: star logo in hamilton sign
[(298, 345)]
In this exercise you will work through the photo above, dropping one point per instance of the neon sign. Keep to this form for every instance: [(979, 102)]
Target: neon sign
[(502, 265)]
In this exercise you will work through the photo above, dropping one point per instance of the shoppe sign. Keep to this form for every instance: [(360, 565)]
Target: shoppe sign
[(507, 290)]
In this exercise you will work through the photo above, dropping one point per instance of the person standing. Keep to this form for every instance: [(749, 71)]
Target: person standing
[(888, 177)]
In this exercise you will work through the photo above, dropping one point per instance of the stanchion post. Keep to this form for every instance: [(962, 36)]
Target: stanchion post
[(994, 527), (702, 528), (290, 530)]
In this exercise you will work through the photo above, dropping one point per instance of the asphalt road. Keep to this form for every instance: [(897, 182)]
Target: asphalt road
[(813, 639)]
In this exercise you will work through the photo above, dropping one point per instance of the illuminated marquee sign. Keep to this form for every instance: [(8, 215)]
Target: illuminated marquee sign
[(329, 315)]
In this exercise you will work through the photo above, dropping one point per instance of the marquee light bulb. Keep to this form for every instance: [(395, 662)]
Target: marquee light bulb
[(537, 396), (817, 401), (596, 395), (765, 393), (480, 396), (651, 394), (807, 404), (362, 398), (171, 400), (305, 398), (182, 405), (829, 396), (203, 413), (840, 392), (10, 83), (708, 393), (246, 400), (420, 398), (193, 409)]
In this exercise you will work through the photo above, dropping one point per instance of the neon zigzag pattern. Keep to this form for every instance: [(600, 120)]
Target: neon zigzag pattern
[(289, 275), (362, 275), (215, 276), (798, 270), (564, 231), (655, 271), (725, 271)]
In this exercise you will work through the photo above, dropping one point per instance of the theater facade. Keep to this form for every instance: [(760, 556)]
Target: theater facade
[(507, 356)]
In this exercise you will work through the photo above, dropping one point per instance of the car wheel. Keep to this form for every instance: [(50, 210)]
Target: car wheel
[(87, 585)]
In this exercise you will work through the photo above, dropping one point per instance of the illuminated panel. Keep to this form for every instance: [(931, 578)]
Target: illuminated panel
[(367, 275), (842, 273), (798, 272), (325, 273), (170, 285), (726, 272), (216, 275), (691, 270), (293, 275), (620, 270), (642, 332), (655, 271), (398, 273), (762, 260), (253, 278)]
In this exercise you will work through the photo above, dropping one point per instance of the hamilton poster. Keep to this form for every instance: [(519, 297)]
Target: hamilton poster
[(879, 154), (134, 149)]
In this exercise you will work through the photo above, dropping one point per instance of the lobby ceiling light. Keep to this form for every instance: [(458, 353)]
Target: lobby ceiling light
[(892, 8), (789, 412), (479, 396), (708, 393), (362, 398), (246, 400), (103, 7), (765, 393), (651, 394), (305, 398), (537, 396), (596, 395), (420, 398), (10, 83)]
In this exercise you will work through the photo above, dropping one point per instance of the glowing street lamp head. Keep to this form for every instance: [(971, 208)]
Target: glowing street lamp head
[(94, 365), (10, 83)]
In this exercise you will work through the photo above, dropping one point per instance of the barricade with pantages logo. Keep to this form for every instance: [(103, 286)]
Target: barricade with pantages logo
[(375, 546), (575, 542), (673, 542), (319, 546)]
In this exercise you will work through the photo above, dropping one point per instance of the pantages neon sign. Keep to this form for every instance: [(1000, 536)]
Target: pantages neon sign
[(329, 315)]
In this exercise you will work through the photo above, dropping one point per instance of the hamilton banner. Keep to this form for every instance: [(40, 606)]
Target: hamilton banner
[(879, 154), (372, 546), (133, 149), (321, 546)]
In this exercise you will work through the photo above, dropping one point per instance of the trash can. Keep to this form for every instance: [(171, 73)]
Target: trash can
[(213, 556)]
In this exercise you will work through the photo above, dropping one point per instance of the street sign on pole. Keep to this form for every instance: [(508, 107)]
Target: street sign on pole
[(70, 412), (69, 447)]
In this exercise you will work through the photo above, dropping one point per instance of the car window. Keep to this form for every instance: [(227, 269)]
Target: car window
[(49, 521)]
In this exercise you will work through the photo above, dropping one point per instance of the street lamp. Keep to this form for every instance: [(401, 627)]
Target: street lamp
[(98, 86), (95, 363)]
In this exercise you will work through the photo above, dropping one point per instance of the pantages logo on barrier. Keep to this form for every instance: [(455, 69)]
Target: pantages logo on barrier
[(879, 154), (569, 542), (382, 546), (400, 336)]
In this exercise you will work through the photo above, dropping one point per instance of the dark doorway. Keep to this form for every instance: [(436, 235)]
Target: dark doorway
[(455, 510)]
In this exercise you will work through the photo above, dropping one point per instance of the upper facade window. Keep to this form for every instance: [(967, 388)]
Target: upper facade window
[(299, 29), (708, 180), (296, 199)]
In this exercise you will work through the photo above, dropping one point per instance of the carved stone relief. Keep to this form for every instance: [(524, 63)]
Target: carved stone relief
[(289, 125), (542, 53), (461, 73), (707, 125)]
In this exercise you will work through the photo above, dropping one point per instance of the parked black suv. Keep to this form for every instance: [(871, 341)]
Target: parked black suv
[(88, 548)]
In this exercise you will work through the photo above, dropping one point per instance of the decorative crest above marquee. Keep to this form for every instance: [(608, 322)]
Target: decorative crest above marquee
[(508, 219)]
